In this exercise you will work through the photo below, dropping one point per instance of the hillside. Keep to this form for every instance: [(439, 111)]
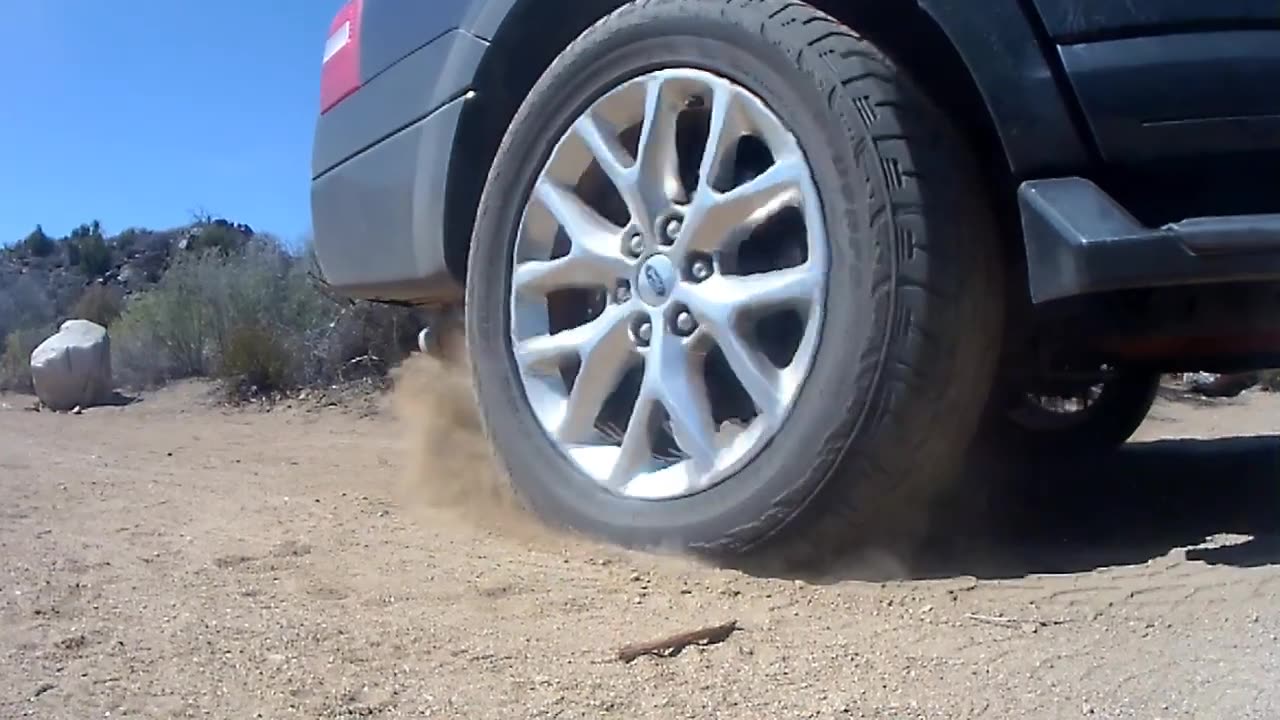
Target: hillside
[(212, 298), (41, 278)]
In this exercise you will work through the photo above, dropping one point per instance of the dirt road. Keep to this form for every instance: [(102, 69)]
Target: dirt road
[(171, 559)]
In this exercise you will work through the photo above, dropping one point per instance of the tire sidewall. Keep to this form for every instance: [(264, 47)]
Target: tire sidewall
[(803, 454)]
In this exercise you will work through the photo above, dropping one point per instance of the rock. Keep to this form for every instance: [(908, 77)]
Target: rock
[(73, 367)]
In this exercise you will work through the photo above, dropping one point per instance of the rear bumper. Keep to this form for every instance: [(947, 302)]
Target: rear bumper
[(1080, 241), (379, 217), (381, 165)]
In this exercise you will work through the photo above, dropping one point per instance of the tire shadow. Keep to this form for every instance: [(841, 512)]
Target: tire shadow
[(1045, 516)]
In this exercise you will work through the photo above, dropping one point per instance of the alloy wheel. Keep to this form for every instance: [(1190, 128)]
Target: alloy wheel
[(668, 284)]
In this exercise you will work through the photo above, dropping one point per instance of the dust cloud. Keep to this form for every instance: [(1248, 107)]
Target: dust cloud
[(451, 471), (450, 467)]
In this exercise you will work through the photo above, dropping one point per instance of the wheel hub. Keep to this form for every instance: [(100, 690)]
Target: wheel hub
[(657, 280)]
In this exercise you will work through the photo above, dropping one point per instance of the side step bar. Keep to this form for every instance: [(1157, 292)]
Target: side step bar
[(1079, 241)]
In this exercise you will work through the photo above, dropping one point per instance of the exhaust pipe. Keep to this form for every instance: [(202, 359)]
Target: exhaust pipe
[(433, 338)]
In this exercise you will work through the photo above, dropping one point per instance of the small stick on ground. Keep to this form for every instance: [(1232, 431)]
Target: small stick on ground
[(1012, 622), (669, 646)]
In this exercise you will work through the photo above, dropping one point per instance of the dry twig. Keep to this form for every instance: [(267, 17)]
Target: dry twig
[(1012, 622), (670, 646)]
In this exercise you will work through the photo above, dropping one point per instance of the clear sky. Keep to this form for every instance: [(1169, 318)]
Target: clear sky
[(139, 112)]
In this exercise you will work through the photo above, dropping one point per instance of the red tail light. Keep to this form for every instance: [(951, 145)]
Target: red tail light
[(340, 74)]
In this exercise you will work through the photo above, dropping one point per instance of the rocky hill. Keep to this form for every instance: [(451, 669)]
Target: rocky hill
[(211, 298), (41, 277)]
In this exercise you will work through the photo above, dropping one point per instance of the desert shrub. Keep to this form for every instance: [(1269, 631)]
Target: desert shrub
[(256, 359), (24, 303), (167, 333), (15, 362), (38, 244), (99, 303), (258, 319), (132, 240), (212, 315), (220, 236), (93, 256)]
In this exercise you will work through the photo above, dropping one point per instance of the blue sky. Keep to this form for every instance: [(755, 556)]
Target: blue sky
[(139, 112)]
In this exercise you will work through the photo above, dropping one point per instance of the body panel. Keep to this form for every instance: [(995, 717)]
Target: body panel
[(393, 29), (397, 97), (1031, 116), (1078, 20), (1179, 96), (378, 218)]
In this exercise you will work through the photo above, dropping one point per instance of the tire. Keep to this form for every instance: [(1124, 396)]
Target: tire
[(912, 311), (1122, 404)]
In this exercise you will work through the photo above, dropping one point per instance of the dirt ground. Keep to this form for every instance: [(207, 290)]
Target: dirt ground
[(175, 559)]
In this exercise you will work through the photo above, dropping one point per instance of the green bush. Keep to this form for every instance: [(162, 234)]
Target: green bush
[(258, 319), (93, 256), (37, 244), (130, 239), (255, 360), (165, 334), (219, 236)]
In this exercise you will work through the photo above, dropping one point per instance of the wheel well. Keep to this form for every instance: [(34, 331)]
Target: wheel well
[(529, 40)]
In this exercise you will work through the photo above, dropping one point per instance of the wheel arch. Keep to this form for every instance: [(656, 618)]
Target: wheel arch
[(525, 39)]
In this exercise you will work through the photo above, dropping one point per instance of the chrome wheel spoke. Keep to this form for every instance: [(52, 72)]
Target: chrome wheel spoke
[(724, 130), (578, 269), (716, 220), (770, 290), (601, 139), (723, 299), (657, 161), (636, 452), (753, 370), (585, 227), (547, 353), (605, 358), (684, 396)]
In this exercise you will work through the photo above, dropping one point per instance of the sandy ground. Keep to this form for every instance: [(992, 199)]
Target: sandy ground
[(172, 559)]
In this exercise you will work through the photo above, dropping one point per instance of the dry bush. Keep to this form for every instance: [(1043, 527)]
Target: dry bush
[(258, 319), (24, 303), (255, 360), (15, 362), (101, 304)]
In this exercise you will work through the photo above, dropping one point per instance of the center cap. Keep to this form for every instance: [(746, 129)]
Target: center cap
[(657, 279)]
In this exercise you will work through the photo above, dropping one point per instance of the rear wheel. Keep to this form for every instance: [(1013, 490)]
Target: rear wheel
[(732, 284), (1076, 418)]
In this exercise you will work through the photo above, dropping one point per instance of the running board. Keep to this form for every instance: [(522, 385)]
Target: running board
[(1079, 240)]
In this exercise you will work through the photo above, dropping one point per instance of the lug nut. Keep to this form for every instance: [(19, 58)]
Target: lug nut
[(673, 228), (685, 324), (701, 270), (644, 332), (623, 293), (636, 245)]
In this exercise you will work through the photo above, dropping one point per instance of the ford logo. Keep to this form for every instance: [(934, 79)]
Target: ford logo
[(656, 283)]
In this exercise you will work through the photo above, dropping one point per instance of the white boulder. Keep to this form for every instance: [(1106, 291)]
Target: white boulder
[(72, 368)]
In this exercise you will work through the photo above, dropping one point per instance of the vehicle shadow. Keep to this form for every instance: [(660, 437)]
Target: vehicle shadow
[(1012, 518), (1037, 516)]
